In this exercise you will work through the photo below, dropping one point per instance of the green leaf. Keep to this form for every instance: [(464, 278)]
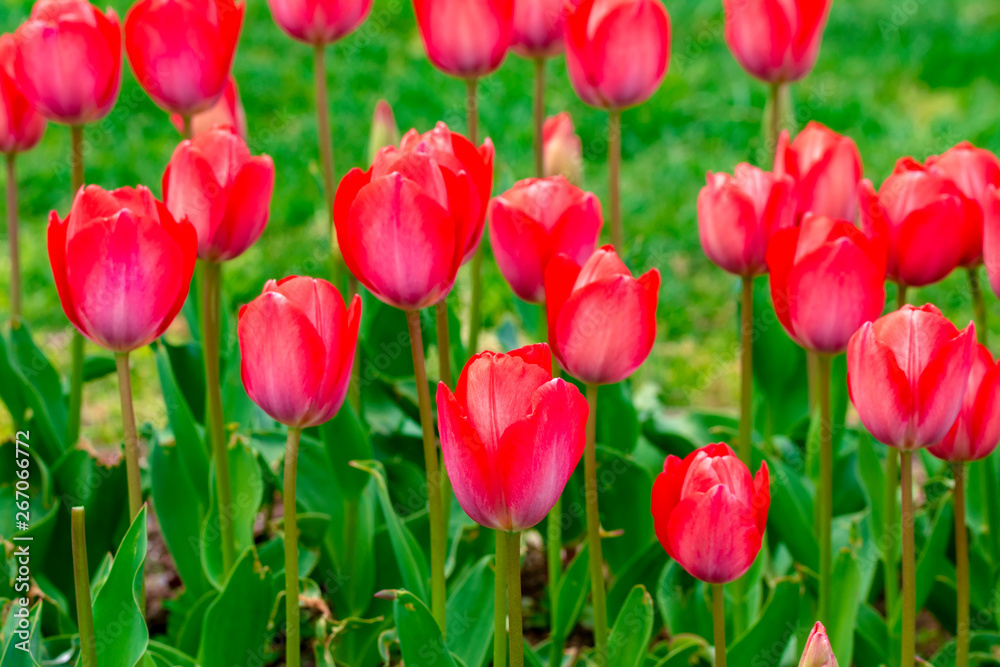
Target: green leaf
[(168, 655), (571, 594), (42, 392), (470, 613), (235, 625), (680, 433), (119, 626), (870, 470), (345, 441), (191, 448), (846, 579), (12, 390), (189, 635), (767, 638), (632, 630), (419, 635), (645, 568), (871, 639), (14, 639), (96, 367), (683, 602), (791, 512), (622, 487), (617, 419), (982, 645), (933, 559), (188, 369)]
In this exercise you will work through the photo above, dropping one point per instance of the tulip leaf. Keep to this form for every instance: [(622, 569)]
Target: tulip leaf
[(12, 390), (12, 642), (791, 512), (617, 419), (470, 613), (345, 441), (623, 486), (645, 569), (169, 656), (419, 635), (982, 648), (189, 635), (871, 639), (632, 630), (682, 433), (768, 637), (570, 594), (42, 393), (189, 374), (191, 448), (932, 561), (98, 366), (683, 602), (846, 578)]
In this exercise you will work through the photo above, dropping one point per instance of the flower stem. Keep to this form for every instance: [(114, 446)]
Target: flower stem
[(188, 128), (992, 520), (553, 538), (292, 641), (539, 117), (900, 295), (500, 600), (978, 304), (472, 120), (719, 624), (444, 374), (211, 324), (438, 590), (76, 350), (909, 570), (825, 524), (614, 169), (594, 533), (15, 264), (323, 127), (746, 371), (774, 117), (890, 530), (131, 448), (514, 599), (81, 579), (961, 568)]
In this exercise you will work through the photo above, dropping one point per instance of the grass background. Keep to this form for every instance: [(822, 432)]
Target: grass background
[(902, 77)]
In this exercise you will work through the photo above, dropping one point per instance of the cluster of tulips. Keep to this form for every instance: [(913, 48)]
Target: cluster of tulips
[(511, 430)]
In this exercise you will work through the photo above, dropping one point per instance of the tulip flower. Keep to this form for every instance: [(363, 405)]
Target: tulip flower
[(384, 131), (776, 42), (563, 150), (991, 237), (538, 27), (227, 112), (297, 343), (466, 39), (182, 50), (709, 514), (826, 168), (818, 652), (319, 22), (536, 220), (69, 60)]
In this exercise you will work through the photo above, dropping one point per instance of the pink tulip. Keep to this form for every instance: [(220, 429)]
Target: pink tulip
[(21, 126), (511, 436), (709, 513), (182, 50), (121, 264), (617, 51), (319, 21), (925, 220), (297, 342), (227, 112), (818, 652), (738, 215), (465, 38), (536, 220), (776, 40), (907, 373), (976, 432), (69, 60), (827, 279), (213, 182), (991, 237), (562, 148), (538, 27), (602, 321), (826, 168)]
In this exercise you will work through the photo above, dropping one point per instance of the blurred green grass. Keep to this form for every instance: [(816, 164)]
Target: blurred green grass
[(902, 77)]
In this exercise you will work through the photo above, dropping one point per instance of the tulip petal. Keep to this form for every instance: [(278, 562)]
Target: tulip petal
[(927, 248), (941, 388), (560, 275), (761, 497), (631, 48), (57, 259), (248, 210), (879, 388), (519, 244)]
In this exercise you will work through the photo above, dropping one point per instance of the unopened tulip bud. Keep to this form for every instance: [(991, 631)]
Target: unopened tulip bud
[(818, 652), (384, 130), (562, 148)]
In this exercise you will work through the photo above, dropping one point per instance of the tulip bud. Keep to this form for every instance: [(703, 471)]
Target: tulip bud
[(384, 130), (319, 21), (777, 42), (511, 436), (300, 326), (538, 27), (562, 148), (69, 60), (602, 321), (737, 215), (617, 51), (826, 168), (227, 112), (181, 51), (122, 265), (709, 513), (976, 432), (21, 125), (907, 374), (213, 182), (818, 652), (465, 38)]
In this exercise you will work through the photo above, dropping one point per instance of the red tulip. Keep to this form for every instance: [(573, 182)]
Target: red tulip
[(617, 51), (737, 215), (710, 514), (227, 112), (69, 60), (826, 168), (976, 432), (214, 183), (972, 170), (775, 40), (181, 50), (536, 220), (991, 237), (818, 652), (319, 21), (907, 374), (297, 343), (21, 125), (602, 321), (918, 212), (827, 279), (538, 27), (511, 436), (562, 148), (465, 38), (122, 265)]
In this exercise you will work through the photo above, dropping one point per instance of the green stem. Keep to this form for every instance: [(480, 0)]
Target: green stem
[(614, 178), (15, 264), (719, 623), (909, 570), (774, 115), (746, 372), (211, 322), (978, 304), (437, 518), (890, 530), (514, 599), (597, 590), (188, 127), (444, 374), (500, 600), (539, 117), (323, 128), (961, 568), (992, 520), (292, 641), (472, 119), (132, 473), (900, 295), (76, 373), (553, 538), (825, 524), (472, 109), (81, 579)]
